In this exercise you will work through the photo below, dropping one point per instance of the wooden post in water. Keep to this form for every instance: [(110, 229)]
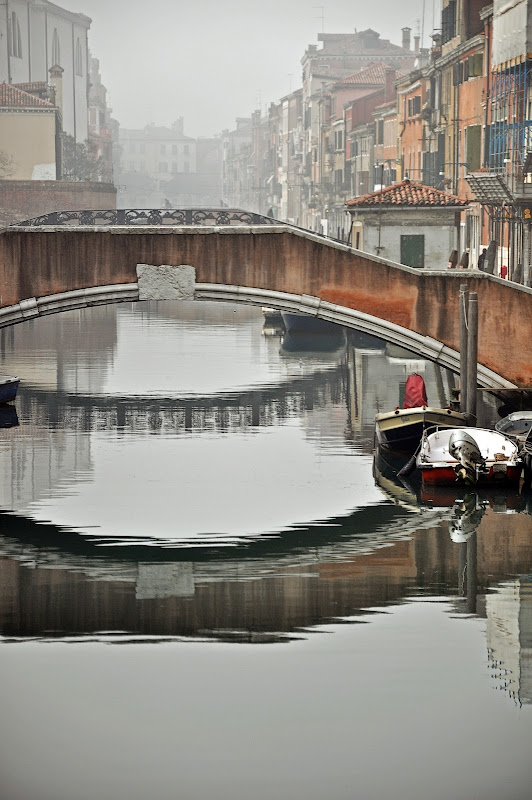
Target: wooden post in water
[(472, 357), (464, 292)]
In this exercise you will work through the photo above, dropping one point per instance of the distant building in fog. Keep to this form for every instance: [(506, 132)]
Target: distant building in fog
[(103, 129), (161, 166)]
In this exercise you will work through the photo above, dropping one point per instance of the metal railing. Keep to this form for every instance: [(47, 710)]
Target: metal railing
[(151, 216)]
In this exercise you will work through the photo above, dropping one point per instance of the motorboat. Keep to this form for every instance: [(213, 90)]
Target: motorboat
[(516, 426), (468, 456), (8, 388), (401, 430)]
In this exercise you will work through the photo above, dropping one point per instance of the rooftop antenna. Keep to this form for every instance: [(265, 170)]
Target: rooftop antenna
[(321, 16)]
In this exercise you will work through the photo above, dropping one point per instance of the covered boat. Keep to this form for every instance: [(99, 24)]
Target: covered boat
[(468, 456), (8, 388), (401, 430)]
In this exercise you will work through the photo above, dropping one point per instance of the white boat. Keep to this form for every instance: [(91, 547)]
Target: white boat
[(468, 456), (516, 426)]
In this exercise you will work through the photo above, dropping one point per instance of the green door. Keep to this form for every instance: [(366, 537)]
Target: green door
[(413, 250)]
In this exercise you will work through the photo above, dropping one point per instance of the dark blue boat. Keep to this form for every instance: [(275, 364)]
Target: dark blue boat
[(8, 388), (303, 323)]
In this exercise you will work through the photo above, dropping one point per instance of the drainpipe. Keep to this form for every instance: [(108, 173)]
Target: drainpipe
[(7, 49)]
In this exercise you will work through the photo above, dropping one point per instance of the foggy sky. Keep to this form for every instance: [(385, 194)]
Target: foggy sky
[(211, 61)]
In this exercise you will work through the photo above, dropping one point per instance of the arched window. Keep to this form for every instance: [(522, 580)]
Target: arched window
[(79, 58), (56, 50), (14, 37)]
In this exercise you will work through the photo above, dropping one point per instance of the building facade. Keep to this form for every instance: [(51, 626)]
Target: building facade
[(36, 35)]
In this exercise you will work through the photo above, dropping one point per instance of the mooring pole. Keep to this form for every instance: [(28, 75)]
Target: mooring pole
[(464, 291), (472, 356)]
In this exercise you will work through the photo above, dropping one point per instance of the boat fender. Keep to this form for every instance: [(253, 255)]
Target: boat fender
[(408, 468)]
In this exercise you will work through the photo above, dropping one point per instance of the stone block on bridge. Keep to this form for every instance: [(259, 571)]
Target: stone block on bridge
[(164, 282)]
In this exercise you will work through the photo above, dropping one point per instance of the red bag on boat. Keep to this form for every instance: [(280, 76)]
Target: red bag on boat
[(415, 392)]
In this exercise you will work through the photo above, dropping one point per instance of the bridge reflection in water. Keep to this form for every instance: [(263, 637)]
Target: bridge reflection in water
[(277, 589)]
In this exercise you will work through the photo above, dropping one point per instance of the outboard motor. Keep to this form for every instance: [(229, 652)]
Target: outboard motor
[(466, 451)]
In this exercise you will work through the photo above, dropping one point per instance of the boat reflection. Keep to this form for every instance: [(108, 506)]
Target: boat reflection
[(312, 345), (8, 416)]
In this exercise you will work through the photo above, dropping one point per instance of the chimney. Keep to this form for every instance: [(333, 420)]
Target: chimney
[(406, 38), (56, 82), (416, 44), (389, 81)]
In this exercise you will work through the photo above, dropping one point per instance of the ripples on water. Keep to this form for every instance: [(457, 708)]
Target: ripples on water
[(179, 475)]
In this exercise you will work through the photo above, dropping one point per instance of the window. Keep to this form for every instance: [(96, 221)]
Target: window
[(413, 250), (142, 147), (474, 66), (185, 149), (56, 50), (163, 149), (174, 166), (473, 138), (414, 105), (163, 166), (187, 166), (380, 131), (131, 147), (14, 39), (174, 149), (448, 22), (79, 58)]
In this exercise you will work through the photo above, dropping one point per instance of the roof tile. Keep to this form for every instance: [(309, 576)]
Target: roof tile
[(374, 75), (13, 97), (407, 194)]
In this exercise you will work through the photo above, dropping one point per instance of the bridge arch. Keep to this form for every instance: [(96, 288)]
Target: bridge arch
[(424, 346)]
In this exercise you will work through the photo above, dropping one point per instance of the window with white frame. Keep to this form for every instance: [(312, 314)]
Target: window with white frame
[(14, 39)]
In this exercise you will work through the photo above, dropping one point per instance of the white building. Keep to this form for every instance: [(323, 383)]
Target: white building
[(36, 35), (408, 223)]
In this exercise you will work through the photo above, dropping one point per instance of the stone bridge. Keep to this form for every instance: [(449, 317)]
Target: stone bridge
[(48, 268)]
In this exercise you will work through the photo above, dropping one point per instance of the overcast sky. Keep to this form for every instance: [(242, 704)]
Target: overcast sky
[(211, 61)]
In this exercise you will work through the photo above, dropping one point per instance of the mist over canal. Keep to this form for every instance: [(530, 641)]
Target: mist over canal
[(293, 623)]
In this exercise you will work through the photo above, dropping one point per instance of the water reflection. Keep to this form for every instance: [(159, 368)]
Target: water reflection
[(280, 469)]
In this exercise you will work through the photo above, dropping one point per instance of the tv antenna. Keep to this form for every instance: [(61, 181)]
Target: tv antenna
[(321, 16)]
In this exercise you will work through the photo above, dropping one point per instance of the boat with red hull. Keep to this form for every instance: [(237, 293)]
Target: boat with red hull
[(468, 456)]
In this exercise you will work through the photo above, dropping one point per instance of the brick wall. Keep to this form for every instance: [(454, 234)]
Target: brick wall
[(20, 200)]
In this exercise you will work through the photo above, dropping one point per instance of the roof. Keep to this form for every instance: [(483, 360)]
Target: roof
[(407, 194), (13, 97), (374, 75)]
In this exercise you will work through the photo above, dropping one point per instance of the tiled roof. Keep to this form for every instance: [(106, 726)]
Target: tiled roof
[(407, 194), (374, 75), (13, 97)]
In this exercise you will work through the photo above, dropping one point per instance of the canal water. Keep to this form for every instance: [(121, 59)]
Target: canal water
[(208, 589)]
